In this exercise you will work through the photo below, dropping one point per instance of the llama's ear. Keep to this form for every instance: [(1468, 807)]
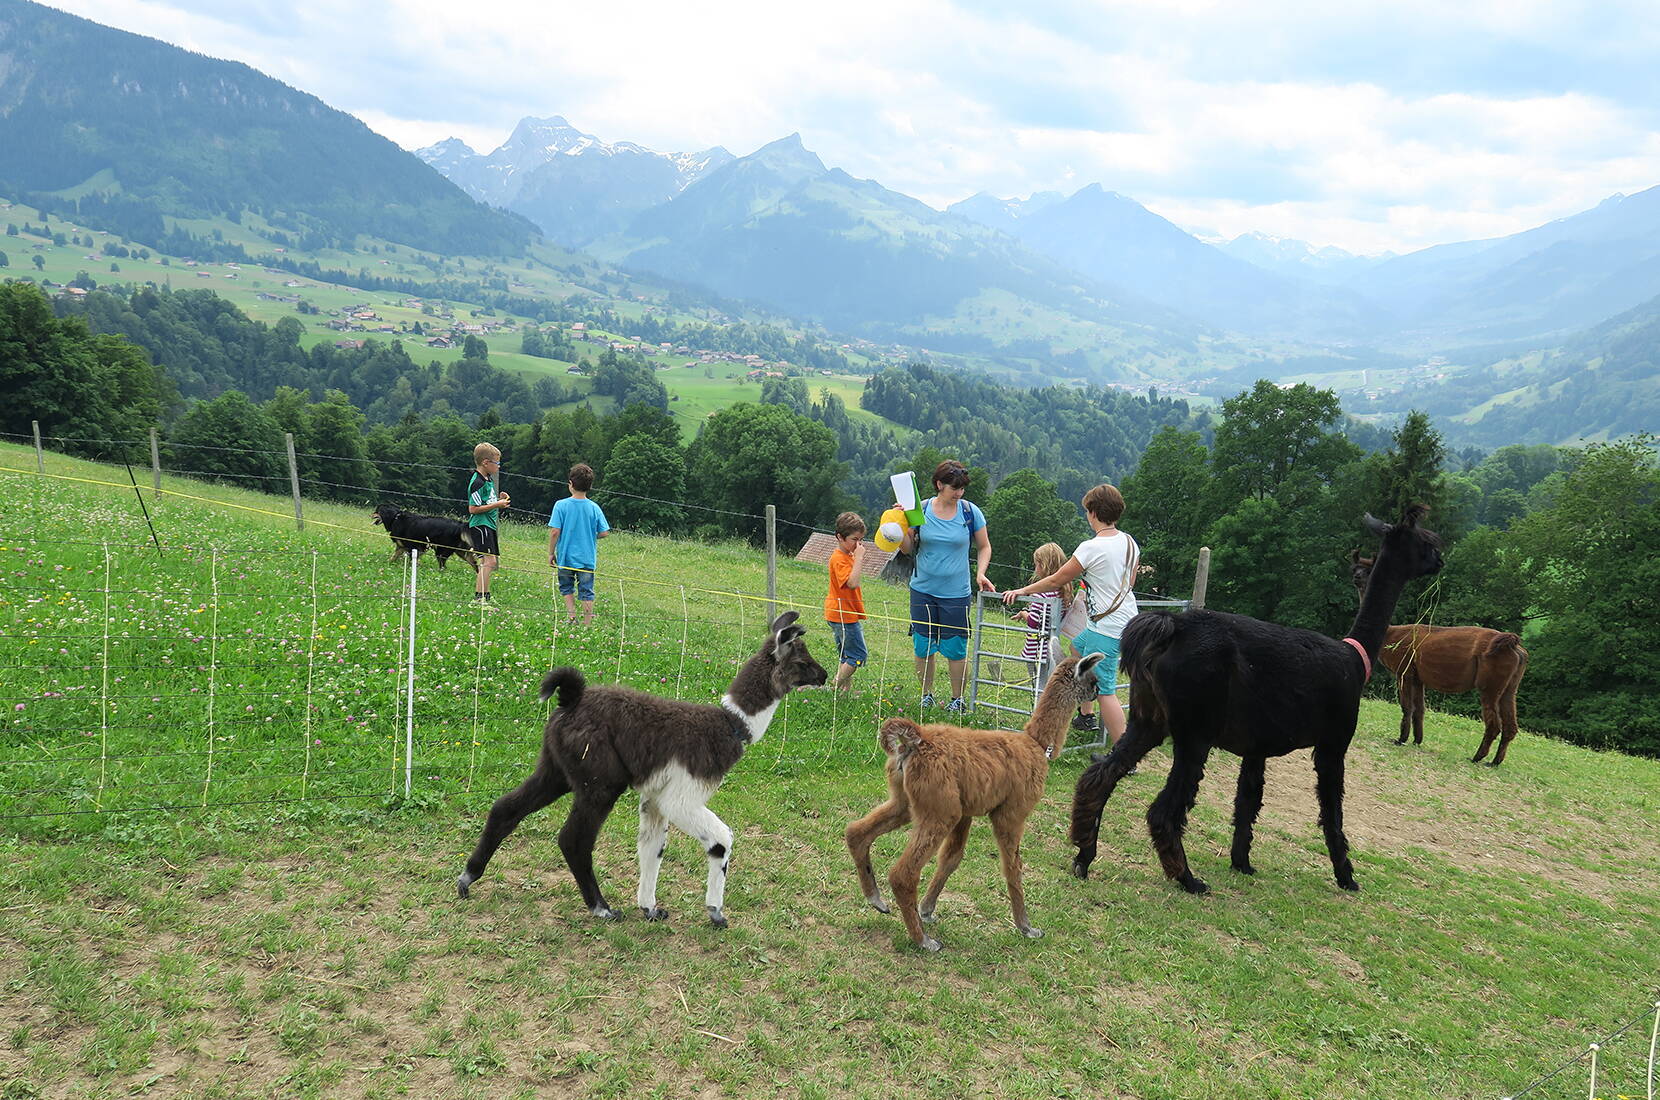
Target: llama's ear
[(784, 620), (1375, 525), (1086, 666), (1354, 557), (1414, 515), (785, 639)]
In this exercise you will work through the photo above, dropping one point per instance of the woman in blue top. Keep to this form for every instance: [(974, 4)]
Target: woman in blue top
[(940, 587)]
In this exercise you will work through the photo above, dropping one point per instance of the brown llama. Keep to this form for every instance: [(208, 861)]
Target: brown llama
[(1209, 680), (1454, 660), (942, 777)]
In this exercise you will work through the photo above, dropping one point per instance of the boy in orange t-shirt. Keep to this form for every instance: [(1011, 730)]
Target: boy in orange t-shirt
[(844, 605)]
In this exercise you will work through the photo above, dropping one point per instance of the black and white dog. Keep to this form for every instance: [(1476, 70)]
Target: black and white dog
[(411, 531)]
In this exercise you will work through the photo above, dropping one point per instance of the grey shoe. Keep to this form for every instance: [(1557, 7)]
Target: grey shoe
[(955, 706), (1086, 723), (927, 701)]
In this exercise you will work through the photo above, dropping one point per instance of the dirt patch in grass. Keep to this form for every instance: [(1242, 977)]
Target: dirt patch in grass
[(1402, 801)]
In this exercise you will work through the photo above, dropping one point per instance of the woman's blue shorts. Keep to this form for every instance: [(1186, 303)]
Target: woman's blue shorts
[(939, 624)]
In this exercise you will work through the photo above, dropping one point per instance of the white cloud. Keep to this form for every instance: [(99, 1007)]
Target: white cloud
[(1380, 124)]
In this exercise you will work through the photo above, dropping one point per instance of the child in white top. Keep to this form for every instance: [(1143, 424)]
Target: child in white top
[(1107, 563)]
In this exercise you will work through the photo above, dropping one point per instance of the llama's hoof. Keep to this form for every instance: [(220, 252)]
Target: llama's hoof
[(716, 917), (462, 882), (1032, 933), (605, 912), (1244, 867), (1493, 764), (1400, 740), (930, 945), (1351, 886), (878, 904), (656, 912), (1080, 868), (1193, 885), (926, 916)]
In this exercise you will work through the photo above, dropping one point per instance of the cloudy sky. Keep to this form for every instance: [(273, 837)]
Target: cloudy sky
[(1370, 126)]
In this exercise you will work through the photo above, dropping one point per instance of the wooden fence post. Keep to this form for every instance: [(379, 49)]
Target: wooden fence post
[(294, 481), (772, 563), (40, 459), (155, 460), (1201, 578)]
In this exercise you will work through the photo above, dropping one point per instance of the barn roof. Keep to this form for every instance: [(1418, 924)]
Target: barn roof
[(821, 544)]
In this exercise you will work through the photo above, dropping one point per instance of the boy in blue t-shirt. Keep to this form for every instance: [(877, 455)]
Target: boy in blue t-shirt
[(574, 530)]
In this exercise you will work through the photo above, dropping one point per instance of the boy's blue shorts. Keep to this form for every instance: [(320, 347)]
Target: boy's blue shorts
[(850, 643), (580, 581), (939, 624), (1106, 673)]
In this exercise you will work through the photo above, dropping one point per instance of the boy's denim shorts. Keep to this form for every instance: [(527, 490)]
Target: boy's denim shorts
[(850, 643), (580, 581)]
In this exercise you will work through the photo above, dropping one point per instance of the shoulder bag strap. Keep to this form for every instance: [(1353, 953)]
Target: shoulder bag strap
[(1132, 556)]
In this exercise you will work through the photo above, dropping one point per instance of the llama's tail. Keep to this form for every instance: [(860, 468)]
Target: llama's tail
[(1502, 643), (1145, 639), (899, 737), (568, 682)]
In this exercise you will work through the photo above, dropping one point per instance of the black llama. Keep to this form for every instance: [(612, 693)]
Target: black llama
[(1206, 680), (602, 740)]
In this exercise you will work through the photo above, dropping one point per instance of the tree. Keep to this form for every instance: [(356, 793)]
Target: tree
[(1268, 434), (91, 390), (749, 456), (1595, 671), (334, 439), (1165, 506), (1023, 514), (5, 260), (645, 481), (474, 347), (788, 392), (1411, 473), (40, 264), (232, 438)]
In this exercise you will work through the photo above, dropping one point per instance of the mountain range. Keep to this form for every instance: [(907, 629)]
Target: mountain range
[(718, 224), (572, 184), (136, 135)]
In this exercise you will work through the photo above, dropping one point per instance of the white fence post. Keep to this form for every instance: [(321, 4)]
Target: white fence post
[(409, 722), (40, 459), (1653, 1039)]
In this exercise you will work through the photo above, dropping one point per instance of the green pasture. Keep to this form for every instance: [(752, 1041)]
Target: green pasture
[(213, 885)]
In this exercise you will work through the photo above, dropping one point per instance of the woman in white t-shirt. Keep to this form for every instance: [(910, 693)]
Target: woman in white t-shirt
[(1107, 563)]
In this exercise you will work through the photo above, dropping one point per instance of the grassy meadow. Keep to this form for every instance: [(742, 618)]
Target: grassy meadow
[(212, 884)]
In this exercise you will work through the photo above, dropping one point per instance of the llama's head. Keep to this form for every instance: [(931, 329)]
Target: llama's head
[(1360, 570), (1411, 550), (792, 666), (1072, 682)]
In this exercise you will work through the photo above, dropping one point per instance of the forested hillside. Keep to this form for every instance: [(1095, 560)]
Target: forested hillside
[(163, 131)]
